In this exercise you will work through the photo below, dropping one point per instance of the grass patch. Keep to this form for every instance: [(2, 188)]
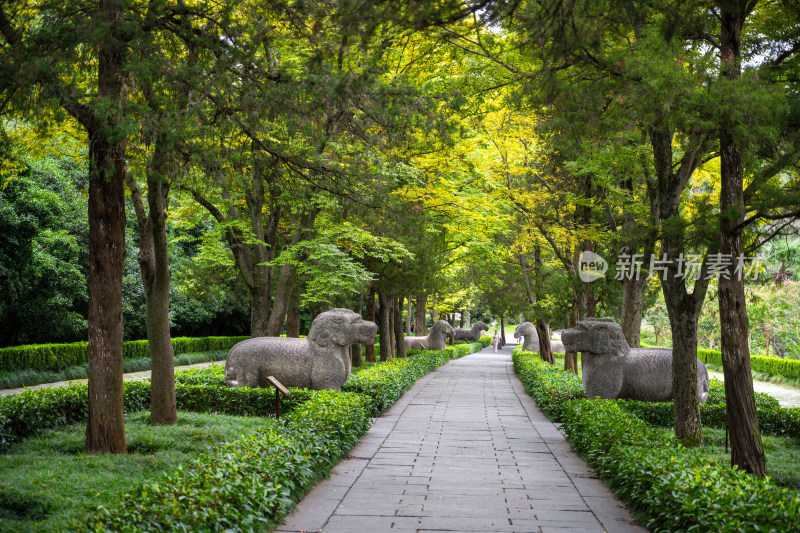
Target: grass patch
[(783, 455), (48, 482), (27, 378)]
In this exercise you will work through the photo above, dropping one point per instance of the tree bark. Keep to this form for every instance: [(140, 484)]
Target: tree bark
[(632, 306), (399, 341), (545, 348), (683, 308), (571, 358), (105, 428), (747, 450), (419, 327), (408, 317), (502, 330), (384, 327), (293, 315), (370, 348), (153, 260)]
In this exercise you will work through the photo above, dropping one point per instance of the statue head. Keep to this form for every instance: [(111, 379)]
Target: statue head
[(341, 327)]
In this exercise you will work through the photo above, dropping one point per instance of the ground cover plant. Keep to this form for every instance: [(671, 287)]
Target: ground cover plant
[(47, 482), (669, 487), (246, 474)]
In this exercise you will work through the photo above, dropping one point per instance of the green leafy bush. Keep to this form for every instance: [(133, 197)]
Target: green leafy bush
[(673, 488), (548, 385), (786, 368), (24, 414), (251, 483), (54, 357), (386, 382)]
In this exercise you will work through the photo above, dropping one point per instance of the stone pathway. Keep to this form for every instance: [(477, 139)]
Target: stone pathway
[(464, 450)]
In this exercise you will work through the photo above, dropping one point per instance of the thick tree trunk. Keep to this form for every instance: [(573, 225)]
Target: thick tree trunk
[(384, 327), (747, 450), (545, 349), (105, 428), (293, 316), (280, 306), (259, 309), (502, 330), (419, 327), (369, 354), (461, 319), (399, 341)]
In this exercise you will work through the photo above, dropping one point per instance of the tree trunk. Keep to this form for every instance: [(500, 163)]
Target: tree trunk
[(355, 355), (632, 304), (384, 327), (154, 265), (502, 330), (370, 348), (747, 450), (408, 317), (571, 358), (545, 349), (293, 316), (105, 428), (420, 329), (399, 341), (461, 319), (259, 309)]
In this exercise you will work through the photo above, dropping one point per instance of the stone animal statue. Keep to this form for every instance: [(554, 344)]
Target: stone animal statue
[(435, 339), (472, 334), (611, 369), (531, 338), (320, 361)]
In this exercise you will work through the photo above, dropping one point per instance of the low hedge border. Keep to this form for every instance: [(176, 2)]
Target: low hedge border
[(251, 483), (785, 368), (54, 357), (670, 487)]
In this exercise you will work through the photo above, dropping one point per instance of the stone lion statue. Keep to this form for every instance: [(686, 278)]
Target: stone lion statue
[(472, 334), (611, 369), (531, 339), (435, 340), (320, 361)]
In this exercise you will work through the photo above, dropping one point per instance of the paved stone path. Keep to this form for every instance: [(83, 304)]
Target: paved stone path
[(464, 450)]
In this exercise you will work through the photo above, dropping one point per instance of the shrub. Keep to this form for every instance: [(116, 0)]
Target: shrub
[(786, 368), (24, 414), (549, 386), (54, 357), (251, 483), (673, 488), (386, 382)]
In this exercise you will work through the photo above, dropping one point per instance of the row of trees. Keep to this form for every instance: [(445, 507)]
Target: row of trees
[(462, 155)]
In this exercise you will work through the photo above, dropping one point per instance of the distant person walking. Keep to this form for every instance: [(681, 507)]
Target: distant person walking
[(495, 341)]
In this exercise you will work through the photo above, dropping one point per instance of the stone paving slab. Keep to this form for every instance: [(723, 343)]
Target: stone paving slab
[(464, 450)]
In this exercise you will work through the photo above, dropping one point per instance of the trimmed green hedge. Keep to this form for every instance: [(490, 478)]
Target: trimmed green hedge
[(548, 385), (386, 382), (24, 414), (786, 368), (673, 488), (60, 356), (251, 483)]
